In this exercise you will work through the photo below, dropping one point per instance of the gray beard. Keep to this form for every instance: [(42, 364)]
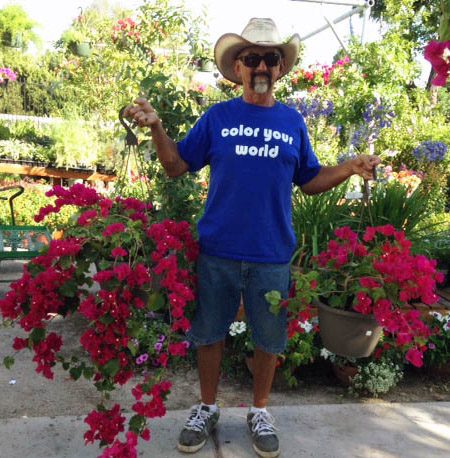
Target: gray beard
[(261, 83)]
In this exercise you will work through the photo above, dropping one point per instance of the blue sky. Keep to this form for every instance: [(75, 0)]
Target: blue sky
[(224, 16)]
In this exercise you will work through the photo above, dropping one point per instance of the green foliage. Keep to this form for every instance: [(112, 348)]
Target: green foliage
[(438, 353), (27, 205), (434, 240), (302, 349), (75, 143), (315, 218), (392, 203), (16, 28)]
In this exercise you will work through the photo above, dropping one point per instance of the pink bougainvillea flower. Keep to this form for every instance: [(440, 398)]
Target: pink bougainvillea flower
[(415, 357), (115, 228), (438, 54), (119, 252)]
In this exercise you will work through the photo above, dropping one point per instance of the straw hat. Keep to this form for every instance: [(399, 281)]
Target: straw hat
[(258, 32)]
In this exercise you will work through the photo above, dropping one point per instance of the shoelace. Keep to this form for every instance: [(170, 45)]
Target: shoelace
[(262, 424), (197, 420)]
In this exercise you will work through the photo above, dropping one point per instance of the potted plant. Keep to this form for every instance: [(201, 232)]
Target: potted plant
[(135, 318), (77, 42), (16, 28), (437, 358), (373, 279)]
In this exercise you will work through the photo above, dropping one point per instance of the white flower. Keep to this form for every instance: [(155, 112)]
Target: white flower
[(437, 315), (446, 55), (307, 326), (325, 354), (238, 327)]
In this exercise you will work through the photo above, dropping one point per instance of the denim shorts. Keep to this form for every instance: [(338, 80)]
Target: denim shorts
[(220, 285)]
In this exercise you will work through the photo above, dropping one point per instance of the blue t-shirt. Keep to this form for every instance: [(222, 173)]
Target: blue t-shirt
[(255, 154)]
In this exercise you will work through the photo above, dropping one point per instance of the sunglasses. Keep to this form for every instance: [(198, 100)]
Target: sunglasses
[(271, 59)]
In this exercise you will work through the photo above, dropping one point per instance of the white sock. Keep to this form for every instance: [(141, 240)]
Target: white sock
[(212, 407), (254, 409)]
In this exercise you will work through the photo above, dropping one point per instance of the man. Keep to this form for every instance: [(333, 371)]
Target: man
[(256, 148)]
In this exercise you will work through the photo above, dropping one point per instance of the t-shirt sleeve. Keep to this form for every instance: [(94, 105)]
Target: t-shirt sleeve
[(308, 165), (194, 148)]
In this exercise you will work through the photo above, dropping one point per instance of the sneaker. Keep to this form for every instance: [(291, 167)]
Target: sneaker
[(265, 441), (199, 425)]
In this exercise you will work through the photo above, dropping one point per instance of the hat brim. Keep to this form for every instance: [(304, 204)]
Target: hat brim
[(229, 45)]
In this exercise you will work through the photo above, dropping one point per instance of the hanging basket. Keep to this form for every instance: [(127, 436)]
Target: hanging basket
[(348, 334), (82, 49), (12, 40)]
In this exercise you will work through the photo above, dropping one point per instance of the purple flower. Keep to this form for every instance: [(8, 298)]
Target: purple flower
[(141, 359), (432, 346), (313, 108), (158, 346), (430, 151), (376, 117)]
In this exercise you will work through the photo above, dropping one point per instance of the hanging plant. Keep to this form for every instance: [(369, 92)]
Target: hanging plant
[(136, 320)]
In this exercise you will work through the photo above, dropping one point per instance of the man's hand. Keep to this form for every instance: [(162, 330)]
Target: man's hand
[(364, 166), (142, 113)]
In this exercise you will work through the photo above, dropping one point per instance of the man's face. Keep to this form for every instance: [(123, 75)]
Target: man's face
[(259, 68)]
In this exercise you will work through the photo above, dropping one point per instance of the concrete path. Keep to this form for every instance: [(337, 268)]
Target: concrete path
[(415, 430)]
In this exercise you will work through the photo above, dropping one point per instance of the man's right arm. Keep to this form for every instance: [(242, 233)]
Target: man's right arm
[(144, 115)]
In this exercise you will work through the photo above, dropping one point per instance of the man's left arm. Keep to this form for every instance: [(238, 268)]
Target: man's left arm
[(329, 177)]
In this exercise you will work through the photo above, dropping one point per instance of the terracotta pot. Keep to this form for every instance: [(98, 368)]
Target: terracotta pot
[(345, 374), (348, 334)]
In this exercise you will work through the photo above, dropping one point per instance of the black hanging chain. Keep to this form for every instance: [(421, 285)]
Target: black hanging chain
[(132, 154)]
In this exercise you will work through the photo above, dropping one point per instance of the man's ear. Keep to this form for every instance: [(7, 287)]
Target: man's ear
[(237, 69)]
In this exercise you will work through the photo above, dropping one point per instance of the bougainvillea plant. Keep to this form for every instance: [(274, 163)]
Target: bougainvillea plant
[(376, 275), (438, 54), (135, 305)]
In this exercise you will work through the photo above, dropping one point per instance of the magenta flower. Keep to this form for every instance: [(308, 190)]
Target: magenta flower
[(119, 252), (438, 54), (112, 229)]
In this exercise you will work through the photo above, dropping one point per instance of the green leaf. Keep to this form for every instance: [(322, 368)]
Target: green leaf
[(137, 423), (110, 368), (155, 302), (75, 372), (65, 262), (88, 372), (8, 362), (134, 329), (132, 348), (106, 319), (104, 264), (336, 301), (37, 335), (69, 288), (273, 297), (35, 269)]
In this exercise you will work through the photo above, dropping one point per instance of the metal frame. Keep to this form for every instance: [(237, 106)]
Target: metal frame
[(358, 6)]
